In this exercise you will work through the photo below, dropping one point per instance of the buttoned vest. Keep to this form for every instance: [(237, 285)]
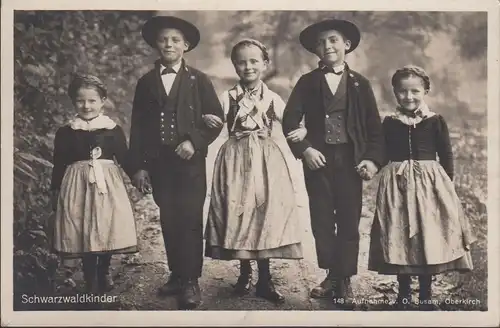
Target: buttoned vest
[(335, 112), (168, 116)]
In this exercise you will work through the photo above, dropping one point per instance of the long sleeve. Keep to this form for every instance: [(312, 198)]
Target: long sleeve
[(375, 141), (60, 159), (121, 150), (203, 136), (136, 158), (444, 148), (292, 118)]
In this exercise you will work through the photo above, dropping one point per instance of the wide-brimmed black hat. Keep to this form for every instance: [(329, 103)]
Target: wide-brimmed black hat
[(308, 37), (155, 24)]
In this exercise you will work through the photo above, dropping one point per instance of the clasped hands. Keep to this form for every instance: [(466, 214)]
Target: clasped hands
[(316, 160)]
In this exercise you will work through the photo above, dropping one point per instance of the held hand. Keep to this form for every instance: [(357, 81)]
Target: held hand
[(314, 158), (185, 150), (142, 182), (297, 135), (367, 169), (54, 198), (212, 121)]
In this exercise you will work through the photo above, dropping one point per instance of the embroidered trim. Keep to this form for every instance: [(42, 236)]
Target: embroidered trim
[(100, 122), (405, 119)]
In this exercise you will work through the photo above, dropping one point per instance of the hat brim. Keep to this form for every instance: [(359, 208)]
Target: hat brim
[(154, 25), (308, 37)]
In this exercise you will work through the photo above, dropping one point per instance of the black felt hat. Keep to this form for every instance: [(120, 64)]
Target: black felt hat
[(308, 37), (154, 25)]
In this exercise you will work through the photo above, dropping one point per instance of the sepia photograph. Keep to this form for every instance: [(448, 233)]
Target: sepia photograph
[(219, 160)]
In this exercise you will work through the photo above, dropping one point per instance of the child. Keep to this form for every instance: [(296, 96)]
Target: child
[(168, 147), (253, 213), (419, 227), (344, 145), (94, 217)]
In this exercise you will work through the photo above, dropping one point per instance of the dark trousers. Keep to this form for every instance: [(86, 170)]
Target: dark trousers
[(179, 189), (335, 200)]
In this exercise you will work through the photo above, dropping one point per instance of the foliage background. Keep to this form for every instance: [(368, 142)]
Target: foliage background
[(51, 45)]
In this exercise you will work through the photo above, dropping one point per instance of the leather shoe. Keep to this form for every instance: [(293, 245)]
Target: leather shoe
[(243, 285), (266, 290), (190, 295), (325, 289), (172, 287), (344, 297)]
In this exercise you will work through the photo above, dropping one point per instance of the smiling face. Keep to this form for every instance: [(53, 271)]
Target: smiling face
[(88, 103), (249, 64), (331, 47), (171, 45), (410, 92)]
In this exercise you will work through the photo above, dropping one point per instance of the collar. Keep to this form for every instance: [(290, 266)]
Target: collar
[(337, 69), (176, 67), (422, 113), (99, 122)]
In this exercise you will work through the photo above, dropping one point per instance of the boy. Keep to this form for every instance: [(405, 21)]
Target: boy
[(168, 146), (344, 145)]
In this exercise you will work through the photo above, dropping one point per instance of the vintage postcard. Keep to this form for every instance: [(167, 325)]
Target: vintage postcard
[(227, 163)]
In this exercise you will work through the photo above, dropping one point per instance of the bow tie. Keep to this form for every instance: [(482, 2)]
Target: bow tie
[(168, 71), (329, 69)]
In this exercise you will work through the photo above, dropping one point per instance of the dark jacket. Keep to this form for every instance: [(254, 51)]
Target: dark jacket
[(363, 121), (196, 97)]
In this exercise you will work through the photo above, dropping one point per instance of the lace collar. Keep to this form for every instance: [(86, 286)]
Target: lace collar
[(422, 113), (100, 122)]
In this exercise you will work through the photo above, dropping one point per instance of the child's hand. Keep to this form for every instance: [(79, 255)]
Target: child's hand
[(367, 169), (297, 135), (54, 197), (142, 182), (314, 158), (212, 121), (185, 150)]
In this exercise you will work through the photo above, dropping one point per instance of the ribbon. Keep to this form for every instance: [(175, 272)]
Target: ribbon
[(96, 174), (254, 169), (406, 183)]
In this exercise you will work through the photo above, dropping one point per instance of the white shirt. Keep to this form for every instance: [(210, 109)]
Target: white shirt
[(168, 79), (333, 80)]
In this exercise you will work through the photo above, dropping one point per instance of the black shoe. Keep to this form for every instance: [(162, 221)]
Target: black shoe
[(325, 289), (190, 295), (243, 285), (171, 287), (343, 297), (265, 289)]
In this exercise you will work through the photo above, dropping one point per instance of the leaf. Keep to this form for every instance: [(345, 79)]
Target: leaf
[(35, 159)]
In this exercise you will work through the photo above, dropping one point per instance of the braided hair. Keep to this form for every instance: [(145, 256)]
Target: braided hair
[(411, 70), (86, 81), (250, 42)]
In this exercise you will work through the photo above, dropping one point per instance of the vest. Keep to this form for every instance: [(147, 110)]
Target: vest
[(168, 116), (233, 110), (335, 112)]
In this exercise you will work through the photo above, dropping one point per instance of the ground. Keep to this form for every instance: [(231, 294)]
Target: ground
[(138, 277)]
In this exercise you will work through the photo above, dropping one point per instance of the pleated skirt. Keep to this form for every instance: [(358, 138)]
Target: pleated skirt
[(419, 225), (88, 221)]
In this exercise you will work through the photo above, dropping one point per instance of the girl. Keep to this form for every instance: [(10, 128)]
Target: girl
[(94, 217), (253, 213), (419, 227)]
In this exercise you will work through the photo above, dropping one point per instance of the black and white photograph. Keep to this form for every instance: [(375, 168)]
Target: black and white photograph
[(249, 163)]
